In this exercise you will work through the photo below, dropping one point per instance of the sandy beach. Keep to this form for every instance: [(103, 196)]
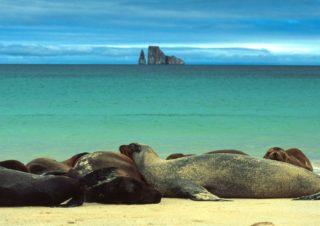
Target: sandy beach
[(241, 212)]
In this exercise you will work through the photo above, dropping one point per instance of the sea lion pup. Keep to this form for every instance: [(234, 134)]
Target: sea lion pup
[(25, 189), (14, 165), (292, 156), (180, 155), (206, 177), (51, 166), (120, 183)]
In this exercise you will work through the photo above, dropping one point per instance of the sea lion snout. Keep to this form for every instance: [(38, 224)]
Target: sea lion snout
[(278, 156)]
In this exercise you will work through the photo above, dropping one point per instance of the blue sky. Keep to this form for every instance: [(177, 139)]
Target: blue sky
[(201, 32)]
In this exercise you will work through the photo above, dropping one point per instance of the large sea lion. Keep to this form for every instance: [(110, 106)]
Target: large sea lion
[(14, 165), (226, 151), (121, 182), (47, 166), (206, 177), (292, 156), (25, 189)]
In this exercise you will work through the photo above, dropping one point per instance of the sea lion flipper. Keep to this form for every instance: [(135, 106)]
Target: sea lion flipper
[(315, 196), (195, 191), (75, 201), (54, 173), (205, 196)]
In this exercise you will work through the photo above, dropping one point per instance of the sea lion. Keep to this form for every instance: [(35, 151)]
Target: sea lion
[(180, 155), (292, 156), (51, 166), (120, 183), (14, 165), (206, 177), (73, 160), (302, 159), (45, 165), (25, 189)]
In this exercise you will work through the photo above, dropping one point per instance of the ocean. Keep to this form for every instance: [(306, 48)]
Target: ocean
[(57, 111)]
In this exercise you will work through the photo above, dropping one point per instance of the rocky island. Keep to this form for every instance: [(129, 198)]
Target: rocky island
[(156, 56), (142, 58)]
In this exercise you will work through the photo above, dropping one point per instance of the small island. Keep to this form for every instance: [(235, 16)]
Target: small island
[(157, 56)]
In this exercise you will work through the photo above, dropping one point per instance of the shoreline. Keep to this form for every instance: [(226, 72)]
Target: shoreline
[(171, 212)]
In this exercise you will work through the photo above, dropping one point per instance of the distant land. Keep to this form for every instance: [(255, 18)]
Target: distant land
[(157, 56)]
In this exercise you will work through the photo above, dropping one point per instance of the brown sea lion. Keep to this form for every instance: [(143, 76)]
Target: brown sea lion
[(180, 155), (302, 160), (46, 165), (73, 160), (14, 165), (206, 177), (25, 189), (121, 182), (292, 156)]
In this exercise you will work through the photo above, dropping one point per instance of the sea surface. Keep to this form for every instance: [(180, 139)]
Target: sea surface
[(60, 110)]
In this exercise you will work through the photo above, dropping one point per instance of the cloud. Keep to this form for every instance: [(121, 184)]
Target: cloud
[(51, 50), (145, 21), (210, 31), (165, 8)]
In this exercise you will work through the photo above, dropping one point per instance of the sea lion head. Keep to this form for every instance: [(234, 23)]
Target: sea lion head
[(107, 186), (138, 152), (277, 154), (130, 149), (123, 190)]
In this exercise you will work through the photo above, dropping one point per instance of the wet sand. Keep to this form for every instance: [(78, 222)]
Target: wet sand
[(171, 212)]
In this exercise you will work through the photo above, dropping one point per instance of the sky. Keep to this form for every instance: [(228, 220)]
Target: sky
[(199, 31)]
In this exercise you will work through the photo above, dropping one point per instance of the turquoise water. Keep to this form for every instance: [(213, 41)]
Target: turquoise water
[(59, 110)]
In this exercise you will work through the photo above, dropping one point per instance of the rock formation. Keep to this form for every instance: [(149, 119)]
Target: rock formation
[(156, 56), (173, 60), (142, 58)]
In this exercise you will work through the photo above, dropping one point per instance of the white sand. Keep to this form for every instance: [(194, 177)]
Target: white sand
[(171, 212)]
